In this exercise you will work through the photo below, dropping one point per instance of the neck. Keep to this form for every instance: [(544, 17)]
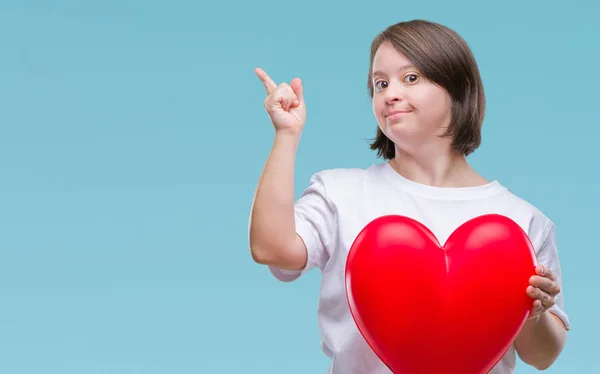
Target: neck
[(439, 169)]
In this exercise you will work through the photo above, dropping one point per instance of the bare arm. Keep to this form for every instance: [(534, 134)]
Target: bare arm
[(543, 336), (541, 340), (273, 238)]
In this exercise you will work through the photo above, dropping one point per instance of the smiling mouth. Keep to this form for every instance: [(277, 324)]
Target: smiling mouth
[(397, 113)]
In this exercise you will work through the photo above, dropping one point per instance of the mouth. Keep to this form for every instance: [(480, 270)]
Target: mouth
[(397, 113)]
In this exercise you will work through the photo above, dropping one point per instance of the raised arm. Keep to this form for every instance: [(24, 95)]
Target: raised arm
[(273, 238)]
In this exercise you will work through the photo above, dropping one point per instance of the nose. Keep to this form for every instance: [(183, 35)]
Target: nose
[(393, 93)]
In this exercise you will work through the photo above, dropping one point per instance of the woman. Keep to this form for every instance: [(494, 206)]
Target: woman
[(429, 104)]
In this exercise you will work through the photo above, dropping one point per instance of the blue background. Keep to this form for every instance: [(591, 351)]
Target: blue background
[(132, 135)]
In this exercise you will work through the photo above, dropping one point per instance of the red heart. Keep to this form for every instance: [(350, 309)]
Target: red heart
[(428, 309)]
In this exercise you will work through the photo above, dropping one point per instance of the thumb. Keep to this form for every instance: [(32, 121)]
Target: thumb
[(296, 85)]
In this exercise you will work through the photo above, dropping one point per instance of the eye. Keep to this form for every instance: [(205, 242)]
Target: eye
[(380, 85), (411, 78)]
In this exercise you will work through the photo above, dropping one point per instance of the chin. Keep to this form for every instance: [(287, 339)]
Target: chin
[(399, 130), (404, 136)]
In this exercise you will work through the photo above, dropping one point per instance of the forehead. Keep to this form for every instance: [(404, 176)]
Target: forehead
[(388, 58)]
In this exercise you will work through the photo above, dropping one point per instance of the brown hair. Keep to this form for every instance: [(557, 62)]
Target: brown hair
[(443, 58)]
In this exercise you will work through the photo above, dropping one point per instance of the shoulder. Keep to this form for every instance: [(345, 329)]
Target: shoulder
[(340, 184), (538, 225), (346, 178), (333, 175)]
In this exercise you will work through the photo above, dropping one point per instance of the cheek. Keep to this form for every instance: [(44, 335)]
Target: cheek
[(433, 108), (442, 111), (378, 107)]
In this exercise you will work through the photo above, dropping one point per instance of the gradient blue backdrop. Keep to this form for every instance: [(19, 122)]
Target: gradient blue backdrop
[(132, 134)]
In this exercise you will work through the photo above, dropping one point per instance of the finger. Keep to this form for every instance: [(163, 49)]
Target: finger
[(286, 104), (546, 300), (284, 96), (269, 84), (544, 284), (535, 293), (545, 272), (296, 85), (536, 309), (290, 96), (531, 292)]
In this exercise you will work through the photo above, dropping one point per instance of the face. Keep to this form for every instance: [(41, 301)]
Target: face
[(410, 110)]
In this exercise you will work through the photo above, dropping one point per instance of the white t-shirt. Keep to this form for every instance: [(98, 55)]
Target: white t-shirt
[(337, 205)]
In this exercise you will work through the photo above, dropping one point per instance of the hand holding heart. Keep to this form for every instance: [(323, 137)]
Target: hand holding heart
[(543, 288)]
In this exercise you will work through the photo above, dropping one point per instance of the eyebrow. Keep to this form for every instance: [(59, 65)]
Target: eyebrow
[(403, 67)]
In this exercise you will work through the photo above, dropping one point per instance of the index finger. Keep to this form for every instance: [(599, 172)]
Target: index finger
[(270, 85)]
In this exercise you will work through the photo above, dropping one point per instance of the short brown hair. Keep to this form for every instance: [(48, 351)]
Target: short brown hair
[(444, 58)]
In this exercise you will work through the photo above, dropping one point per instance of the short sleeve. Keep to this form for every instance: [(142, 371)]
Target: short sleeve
[(315, 224), (547, 256)]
